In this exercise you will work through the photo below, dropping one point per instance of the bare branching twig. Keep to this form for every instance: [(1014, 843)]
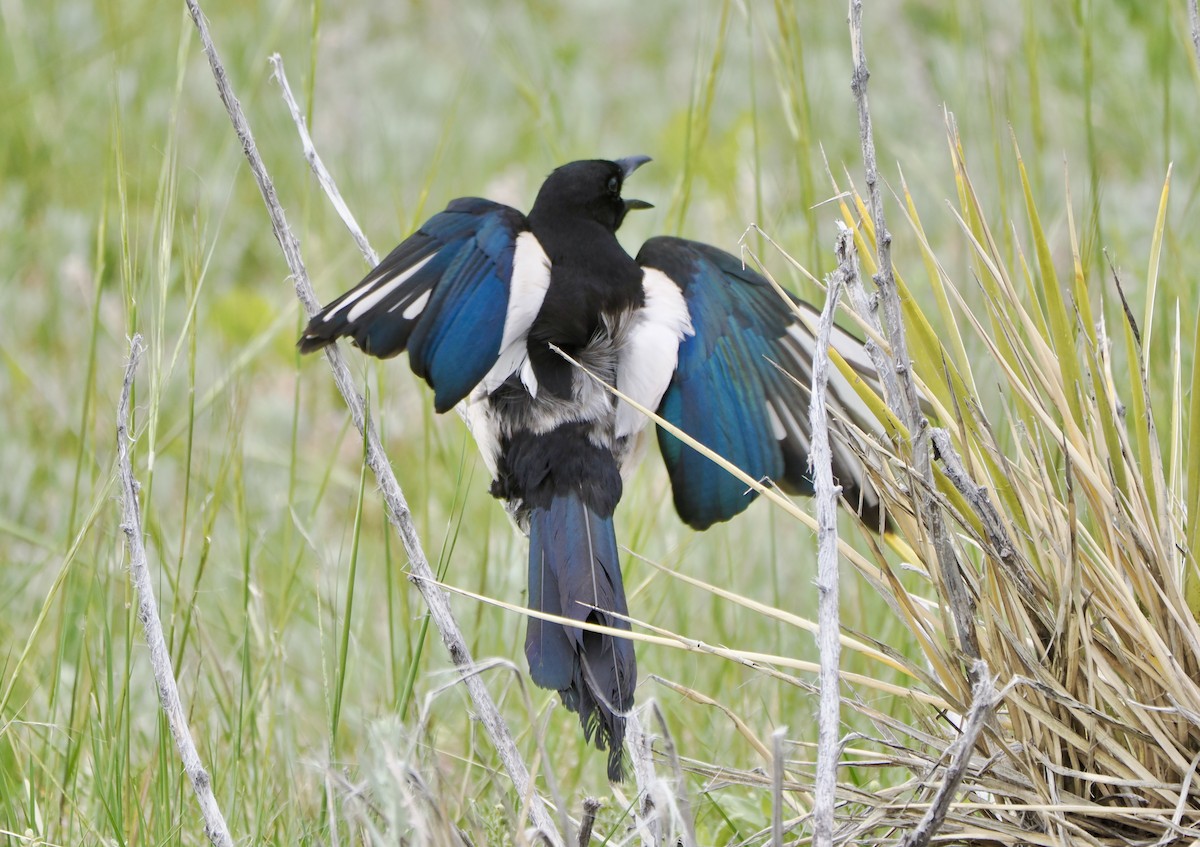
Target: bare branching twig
[(420, 574), (160, 657), (1002, 548)]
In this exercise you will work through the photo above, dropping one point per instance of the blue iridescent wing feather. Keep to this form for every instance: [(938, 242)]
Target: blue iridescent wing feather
[(442, 295), (741, 388)]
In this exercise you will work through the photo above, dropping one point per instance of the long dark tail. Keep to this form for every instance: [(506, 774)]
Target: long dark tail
[(574, 572)]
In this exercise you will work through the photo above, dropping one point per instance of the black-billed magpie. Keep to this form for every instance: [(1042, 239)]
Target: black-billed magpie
[(482, 295)]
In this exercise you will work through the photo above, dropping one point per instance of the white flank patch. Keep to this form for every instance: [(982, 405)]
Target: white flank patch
[(483, 429), (416, 306), (378, 291), (649, 357)]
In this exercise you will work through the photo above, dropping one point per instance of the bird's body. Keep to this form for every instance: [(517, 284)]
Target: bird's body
[(523, 321)]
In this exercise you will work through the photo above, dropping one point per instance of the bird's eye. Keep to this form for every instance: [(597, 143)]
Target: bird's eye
[(614, 185)]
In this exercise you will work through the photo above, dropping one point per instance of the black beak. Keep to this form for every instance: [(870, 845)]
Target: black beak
[(628, 165)]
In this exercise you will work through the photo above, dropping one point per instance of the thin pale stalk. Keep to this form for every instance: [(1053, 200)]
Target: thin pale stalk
[(826, 493), (215, 827)]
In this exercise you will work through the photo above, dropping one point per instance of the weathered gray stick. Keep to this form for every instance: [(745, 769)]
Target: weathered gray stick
[(1194, 14), (827, 494), (160, 657), (778, 739), (983, 700), (324, 178), (962, 608), (420, 574), (907, 402)]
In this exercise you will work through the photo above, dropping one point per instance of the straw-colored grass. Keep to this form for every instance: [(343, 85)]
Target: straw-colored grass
[(1073, 532)]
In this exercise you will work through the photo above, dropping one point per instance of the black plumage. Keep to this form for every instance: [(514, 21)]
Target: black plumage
[(483, 298)]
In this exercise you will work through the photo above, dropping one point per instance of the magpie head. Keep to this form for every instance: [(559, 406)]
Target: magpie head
[(590, 189)]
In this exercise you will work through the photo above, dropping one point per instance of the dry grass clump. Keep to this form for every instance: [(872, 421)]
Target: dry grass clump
[(1064, 474)]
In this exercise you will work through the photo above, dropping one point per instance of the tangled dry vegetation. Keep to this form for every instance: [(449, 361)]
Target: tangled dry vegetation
[(1074, 532)]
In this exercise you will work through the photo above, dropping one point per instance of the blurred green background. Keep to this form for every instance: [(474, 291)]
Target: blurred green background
[(126, 206)]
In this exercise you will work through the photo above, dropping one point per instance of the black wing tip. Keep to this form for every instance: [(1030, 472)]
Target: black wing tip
[(318, 334), (697, 521), (312, 343)]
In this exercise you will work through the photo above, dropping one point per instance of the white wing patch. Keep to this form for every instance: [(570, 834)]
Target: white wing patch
[(651, 353), (367, 297), (849, 347), (530, 279), (527, 291), (848, 412), (415, 307), (776, 424), (846, 405), (792, 428)]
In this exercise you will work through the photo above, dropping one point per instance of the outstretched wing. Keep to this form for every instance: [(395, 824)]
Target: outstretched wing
[(741, 388), (459, 294)]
